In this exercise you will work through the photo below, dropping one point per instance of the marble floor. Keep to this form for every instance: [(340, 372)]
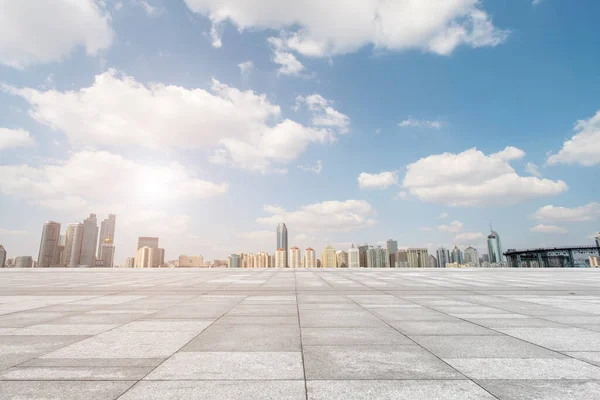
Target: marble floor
[(299, 334)]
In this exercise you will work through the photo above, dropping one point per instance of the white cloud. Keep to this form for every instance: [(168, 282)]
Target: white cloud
[(470, 238), (415, 123), (346, 26), (43, 31), (246, 67), (10, 138), (325, 216), (383, 180), (588, 212), (453, 227), (105, 183), (401, 196), (317, 168), (323, 113), (443, 216), (244, 128), (533, 170), (548, 229), (584, 147), (472, 178), (288, 63)]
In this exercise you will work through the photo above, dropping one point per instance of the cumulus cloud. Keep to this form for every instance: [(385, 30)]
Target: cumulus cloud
[(288, 63), (588, 212), (584, 147), (243, 127), (317, 168), (533, 170), (382, 180), (453, 227), (325, 216), (246, 67), (43, 31), (416, 123), (472, 178), (323, 113), (345, 26), (402, 195), (548, 229), (443, 216), (10, 138)]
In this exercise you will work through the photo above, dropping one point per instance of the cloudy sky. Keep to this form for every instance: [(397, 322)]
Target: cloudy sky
[(206, 122)]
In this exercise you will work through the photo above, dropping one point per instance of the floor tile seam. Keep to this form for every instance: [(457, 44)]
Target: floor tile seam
[(300, 330)]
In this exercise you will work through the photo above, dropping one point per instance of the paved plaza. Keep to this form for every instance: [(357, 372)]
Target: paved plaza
[(299, 334)]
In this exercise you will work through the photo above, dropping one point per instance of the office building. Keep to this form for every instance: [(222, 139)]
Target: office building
[(107, 228), (376, 257), (594, 261), (130, 262), (89, 241), (24, 262), (328, 257), (433, 263), (418, 258), (295, 258), (310, 259), (392, 248), (401, 259), (443, 257), (456, 256), (353, 257), (107, 253), (190, 261), (494, 248), (2, 256), (281, 258), (48, 244), (282, 242), (143, 258), (597, 240), (342, 259), (234, 261), (73, 240), (471, 256), (362, 255), (146, 241)]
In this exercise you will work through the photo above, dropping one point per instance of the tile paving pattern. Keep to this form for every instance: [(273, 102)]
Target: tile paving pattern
[(299, 334)]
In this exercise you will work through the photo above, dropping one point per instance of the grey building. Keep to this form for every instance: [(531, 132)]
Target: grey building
[(494, 248), (392, 248), (234, 261), (2, 256), (24, 262), (73, 240), (457, 256), (89, 241), (107, 229), (49, 243), (471, 256), (282, 240), (443, 257)]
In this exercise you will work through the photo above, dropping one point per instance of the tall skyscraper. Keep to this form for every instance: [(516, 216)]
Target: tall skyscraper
[(417, 258), (73, 240), (443, 257), (282, 241), (310, 260), (328, 257), (234, 261), (295, 258), (471, 256), (107, 228), (48, 244), (376, 257), (353, 257), (342, 259), (89, 241), (494, 247), (457, 256), (392, 248), (2, 256), (59, 253), (152, 256), (146, 241), (107, 252), (280, 258)]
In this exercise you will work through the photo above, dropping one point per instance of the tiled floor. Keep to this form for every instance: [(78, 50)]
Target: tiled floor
[(299, 334)]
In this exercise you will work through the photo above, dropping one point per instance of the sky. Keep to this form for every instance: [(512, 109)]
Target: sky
[(207, 122)]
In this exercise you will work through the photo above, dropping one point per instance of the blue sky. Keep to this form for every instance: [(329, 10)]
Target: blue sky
[(418, 121)]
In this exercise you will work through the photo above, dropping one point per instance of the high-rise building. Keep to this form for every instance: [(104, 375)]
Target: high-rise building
[(24, 262), (107, 228), (89, 241), (443, 257), (282, 241), (401, 259), (392, 248), (310, 260), (2, 256), (190, 261), (73, 240), (107, 252), (376, 257), (353, 257), (456, 255), (495, 248), (418, 258), (471, 256), (146, 241), (143, 257), (328, 257), (342, 259), (295, 258), (362, 255), (281, 258), (432, 261), (48, 244)]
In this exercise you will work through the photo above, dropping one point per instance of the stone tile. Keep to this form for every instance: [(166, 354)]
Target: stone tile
[(482, 347), (60, 330), (587, 356), (258, 320), (411, 314), (161, 325), (230, 366), (440, 328), (271, 309), (22, 319), (494, 323), (188, 312), (374, 362), (216, 390), (524, 368), (17, 349), (560, 339), (247, 338), (35, 390), (542, 389), (338, 318), (352, 336), (93, 362), (74, 373), (396, 390)]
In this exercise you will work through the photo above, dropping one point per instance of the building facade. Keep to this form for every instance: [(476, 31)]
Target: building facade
[(443, 257), (328, 257), (282, 242), (190, 261), (418, 258), (107, 228), (376, 257), (295, 258), (234, 261), (342, 259), (401, 259), (310, 259), (73, 240), (24, 262), (48, 244), (89, 241), (471, 256), (457, 256), (392, 249), (353, 257), (107, 253), (555, 257), (433, 263), (2, 256), (494, 248), (362, 255), (281, 258)]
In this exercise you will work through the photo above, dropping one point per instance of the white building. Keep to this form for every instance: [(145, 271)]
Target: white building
[(73, 240), (49, 243), (353, 257), (143, 258), (281, 258), (295, 258), (89, 241), (107, 228), (417, 258), (328, 257), (310, 260)]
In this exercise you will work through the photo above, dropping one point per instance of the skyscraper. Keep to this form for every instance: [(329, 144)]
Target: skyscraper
[(353, 257), (234, 261), (73, 240), (107, 228), (48, 244), (432, 261), (146, 241), (417, 258), (401, 259), (282, 241), (310, 260), (392, 248), (376, 257), (443, 257), (457, 256), (328, 257), (107, 252), (362, 255), (342, 259), (2, 256), (280, 258), (295, 258), (471, 256), (494, 247), (152, 256), (89, 241)]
